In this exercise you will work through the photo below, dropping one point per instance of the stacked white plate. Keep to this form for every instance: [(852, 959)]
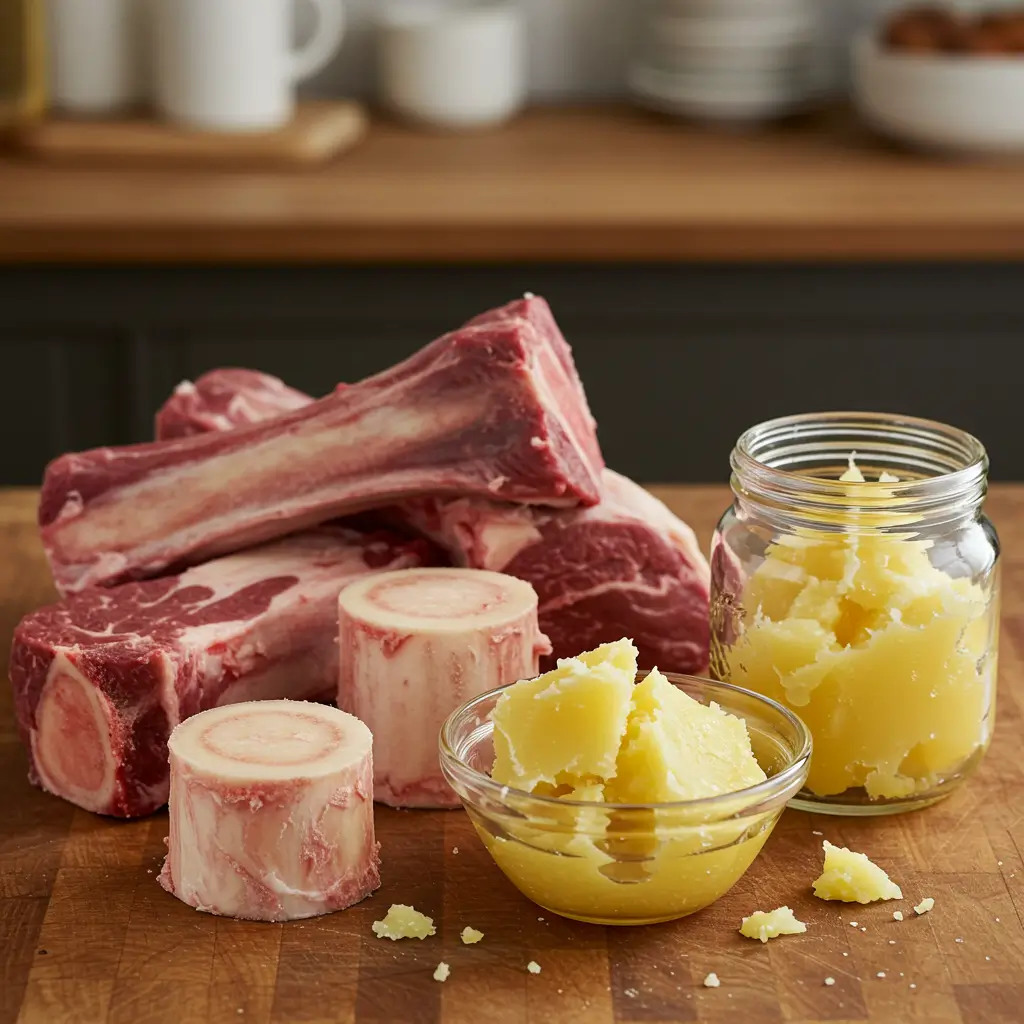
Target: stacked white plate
[(727, 59)]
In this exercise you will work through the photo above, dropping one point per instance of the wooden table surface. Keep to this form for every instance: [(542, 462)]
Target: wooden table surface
[(592, 184), (87, 935)]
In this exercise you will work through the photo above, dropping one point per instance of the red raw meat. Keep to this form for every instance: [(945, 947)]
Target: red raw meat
[(101, 678), (626, 567), (479, 411), (224, 399)]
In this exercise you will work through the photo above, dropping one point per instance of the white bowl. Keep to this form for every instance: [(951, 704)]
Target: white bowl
[(736, 60), (948, 102), (754, 31), (738, 100), (453, 65), (731, 8)]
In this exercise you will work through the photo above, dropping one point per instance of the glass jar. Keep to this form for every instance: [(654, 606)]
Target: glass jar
[(22, 64), (855, 580)]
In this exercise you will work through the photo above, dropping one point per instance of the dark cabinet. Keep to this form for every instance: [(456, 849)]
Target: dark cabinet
[(676, 359)]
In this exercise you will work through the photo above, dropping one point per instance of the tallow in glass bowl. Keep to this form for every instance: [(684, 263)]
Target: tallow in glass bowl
[(628, 863)]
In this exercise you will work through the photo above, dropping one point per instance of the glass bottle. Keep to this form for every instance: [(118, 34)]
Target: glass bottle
[(22, 62), (855, 580)]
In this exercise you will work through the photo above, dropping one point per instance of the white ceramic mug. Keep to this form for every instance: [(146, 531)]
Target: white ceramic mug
[(453, 63), (228, 65), (96, 54)]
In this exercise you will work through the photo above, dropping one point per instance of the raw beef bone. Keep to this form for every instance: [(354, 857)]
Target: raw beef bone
[(484, 410), (271, 811), (101, 678), (224, 399), (626, 567), (416, 644)]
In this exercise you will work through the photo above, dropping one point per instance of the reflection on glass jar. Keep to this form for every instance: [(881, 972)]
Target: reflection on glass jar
[(855, 580)]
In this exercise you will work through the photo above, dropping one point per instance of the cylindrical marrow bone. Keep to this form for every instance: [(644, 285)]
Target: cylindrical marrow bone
[(415, 644), (271, 811)]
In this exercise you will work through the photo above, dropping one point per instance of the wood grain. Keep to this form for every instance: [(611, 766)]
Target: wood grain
[(585, 184), (319, 131), (87, 936)]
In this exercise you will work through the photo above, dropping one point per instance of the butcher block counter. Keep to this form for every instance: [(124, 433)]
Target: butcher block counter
[(594, 184), (87, 935)]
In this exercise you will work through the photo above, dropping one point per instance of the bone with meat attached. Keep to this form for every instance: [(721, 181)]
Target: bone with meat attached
[(101, 678), (482, 410), (224, 399), (271, 811), (625, 567), (416, 644)]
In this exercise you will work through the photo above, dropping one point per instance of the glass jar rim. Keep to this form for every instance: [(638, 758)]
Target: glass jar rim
[(797, 760), (947, 467)]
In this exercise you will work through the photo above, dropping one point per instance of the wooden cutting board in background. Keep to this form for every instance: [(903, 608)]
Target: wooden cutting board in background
[(319, 131), (87, 935)]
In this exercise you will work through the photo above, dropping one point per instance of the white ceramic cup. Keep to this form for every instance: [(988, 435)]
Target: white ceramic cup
[(228, 65), (96, 55), (456, 64)]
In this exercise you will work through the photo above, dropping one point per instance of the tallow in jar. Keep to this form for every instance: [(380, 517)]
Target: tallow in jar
[(855, 580)]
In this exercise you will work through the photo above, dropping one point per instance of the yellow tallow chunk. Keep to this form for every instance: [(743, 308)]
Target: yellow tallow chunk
[(471, 935), (402, 922), (852, 878), (676, 748), (587, 732), (765, 925), (564, 728)]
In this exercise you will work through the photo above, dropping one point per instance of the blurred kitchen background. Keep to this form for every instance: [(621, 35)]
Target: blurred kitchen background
[(736, 208)]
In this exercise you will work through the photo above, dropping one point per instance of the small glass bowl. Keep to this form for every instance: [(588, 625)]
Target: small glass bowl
[(628, 863)]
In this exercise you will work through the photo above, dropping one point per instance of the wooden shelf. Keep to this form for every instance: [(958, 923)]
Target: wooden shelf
[(593, 184)]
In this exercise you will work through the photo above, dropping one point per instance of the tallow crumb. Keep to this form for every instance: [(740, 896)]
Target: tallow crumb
[(711, 981), (533, 967), (897, 915), (442, 971), (768, 925), (403, 922), (830, 981), (924, 906), (471, 935)]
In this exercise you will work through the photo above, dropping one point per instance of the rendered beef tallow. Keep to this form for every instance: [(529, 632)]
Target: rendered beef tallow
[(487, 410), (101, 678), (271, 811), (412, 648)]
